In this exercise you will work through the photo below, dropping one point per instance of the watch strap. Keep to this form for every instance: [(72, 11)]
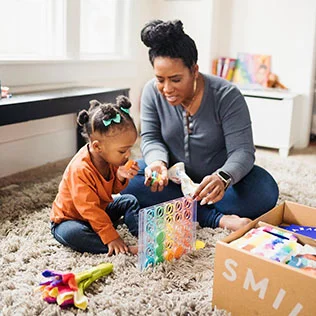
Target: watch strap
[(225, 177)]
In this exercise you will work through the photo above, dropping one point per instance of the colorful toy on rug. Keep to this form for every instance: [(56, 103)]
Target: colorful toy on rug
[(67, 289), (166, 231), (199, 244)]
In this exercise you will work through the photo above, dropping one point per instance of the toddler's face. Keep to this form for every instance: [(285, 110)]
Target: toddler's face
[(116, 149)]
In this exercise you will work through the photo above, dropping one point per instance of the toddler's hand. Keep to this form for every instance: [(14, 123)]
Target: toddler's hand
[(133, 250), (117, 246), (129, 170)]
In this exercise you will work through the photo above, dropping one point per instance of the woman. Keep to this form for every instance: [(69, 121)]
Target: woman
[(203, 121)]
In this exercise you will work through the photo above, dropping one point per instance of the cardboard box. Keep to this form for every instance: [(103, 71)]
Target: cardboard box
[(246, 284)]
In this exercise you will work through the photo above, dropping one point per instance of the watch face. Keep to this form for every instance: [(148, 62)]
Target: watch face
[(224, 175)]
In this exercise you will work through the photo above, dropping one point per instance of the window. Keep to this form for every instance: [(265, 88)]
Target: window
[(63, 29), (99, 22), (32, 29)]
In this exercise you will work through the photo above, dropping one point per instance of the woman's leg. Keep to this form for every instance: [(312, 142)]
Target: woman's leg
[(79, 236), (207, 216), (252, 196)]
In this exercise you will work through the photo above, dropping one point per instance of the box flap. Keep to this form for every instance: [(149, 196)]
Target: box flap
[(299, 214)]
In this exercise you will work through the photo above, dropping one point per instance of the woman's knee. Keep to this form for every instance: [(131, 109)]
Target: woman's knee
[(269, 187), (254, 195)]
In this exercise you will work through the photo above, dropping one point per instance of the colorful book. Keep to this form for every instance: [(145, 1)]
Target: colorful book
[(228, 68), (214, 67), (252, 69), (220, 65)]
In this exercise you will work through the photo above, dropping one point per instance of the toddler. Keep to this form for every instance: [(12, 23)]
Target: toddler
[(84, 212)]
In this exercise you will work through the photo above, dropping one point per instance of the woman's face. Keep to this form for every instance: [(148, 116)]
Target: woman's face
[(175, 81)]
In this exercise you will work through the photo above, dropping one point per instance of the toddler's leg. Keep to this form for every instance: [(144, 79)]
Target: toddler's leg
[(125, 205), (79, 236)]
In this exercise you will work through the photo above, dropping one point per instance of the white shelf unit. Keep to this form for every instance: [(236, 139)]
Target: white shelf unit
[(275, 118)]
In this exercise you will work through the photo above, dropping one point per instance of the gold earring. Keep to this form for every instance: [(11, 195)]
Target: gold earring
[(194, 86)]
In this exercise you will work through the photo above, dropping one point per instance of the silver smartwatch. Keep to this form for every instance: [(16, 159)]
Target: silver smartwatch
[(225, 177)]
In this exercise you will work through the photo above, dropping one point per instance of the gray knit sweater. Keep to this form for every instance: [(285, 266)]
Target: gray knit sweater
[(221, 137)]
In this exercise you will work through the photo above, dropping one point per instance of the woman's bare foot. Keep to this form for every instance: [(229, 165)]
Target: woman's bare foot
[(233, 222)]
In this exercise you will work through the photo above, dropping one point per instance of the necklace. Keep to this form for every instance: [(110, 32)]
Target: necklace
[(187, 109)]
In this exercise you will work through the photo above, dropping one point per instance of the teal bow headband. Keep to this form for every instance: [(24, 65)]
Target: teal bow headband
[(116, 119), (125, 110)]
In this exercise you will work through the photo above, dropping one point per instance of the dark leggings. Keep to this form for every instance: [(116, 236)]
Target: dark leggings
[(252, 196)]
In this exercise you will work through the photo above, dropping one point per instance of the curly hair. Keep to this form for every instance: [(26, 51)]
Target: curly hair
[(168, 39), (101, 117)]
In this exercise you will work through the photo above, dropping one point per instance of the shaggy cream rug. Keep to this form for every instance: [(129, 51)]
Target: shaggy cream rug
[(183, 287)]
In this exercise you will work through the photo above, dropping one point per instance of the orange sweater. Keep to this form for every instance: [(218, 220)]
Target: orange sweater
[(84, 195)]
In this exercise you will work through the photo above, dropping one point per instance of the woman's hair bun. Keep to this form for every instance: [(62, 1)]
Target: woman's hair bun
[(123, 101), (83, 117), (157, 33)]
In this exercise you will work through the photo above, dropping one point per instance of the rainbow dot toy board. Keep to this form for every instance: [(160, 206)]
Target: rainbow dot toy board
[(166, 231)]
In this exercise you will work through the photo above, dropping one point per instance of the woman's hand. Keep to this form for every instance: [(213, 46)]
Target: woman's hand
[(128, 171), (117, 246), (210, 190), (162, 176)]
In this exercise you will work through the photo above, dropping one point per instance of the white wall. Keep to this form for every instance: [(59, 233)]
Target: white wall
[(284, 28), (197, 21)]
